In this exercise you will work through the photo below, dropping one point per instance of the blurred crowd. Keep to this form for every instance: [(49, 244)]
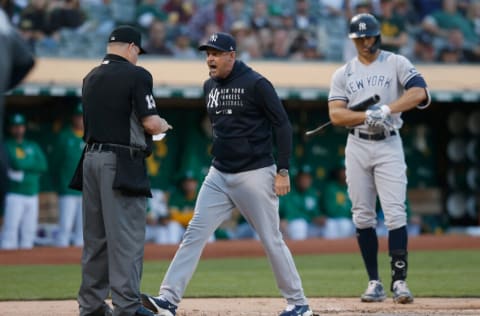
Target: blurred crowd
[(427, 31)]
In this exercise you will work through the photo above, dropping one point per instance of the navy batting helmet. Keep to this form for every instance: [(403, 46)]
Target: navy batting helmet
[(365, 25)]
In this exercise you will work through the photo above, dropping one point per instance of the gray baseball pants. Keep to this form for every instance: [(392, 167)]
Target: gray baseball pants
[(252, 193), (114, 235)]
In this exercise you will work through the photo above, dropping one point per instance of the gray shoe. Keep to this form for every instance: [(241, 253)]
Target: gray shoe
[(401, 293), (374, 292)]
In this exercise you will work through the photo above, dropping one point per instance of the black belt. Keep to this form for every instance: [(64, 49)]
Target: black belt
[(102, 147), (378, 136)]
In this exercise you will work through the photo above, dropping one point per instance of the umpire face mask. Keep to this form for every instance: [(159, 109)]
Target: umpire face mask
[(219, 63)]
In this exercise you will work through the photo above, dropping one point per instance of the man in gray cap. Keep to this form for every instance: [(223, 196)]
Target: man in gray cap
[(120, 117)]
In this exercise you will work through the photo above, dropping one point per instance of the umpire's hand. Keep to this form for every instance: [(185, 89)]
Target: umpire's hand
[(282, 184)]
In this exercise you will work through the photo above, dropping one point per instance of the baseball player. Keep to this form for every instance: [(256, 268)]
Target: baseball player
[(375, 162), (244, 109), (68, 151), (26, 164)]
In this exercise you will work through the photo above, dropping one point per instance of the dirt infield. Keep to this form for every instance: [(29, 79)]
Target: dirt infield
[(257, 306), (270, 307)]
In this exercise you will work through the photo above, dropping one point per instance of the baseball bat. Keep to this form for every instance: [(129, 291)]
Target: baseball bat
[(360, 106)]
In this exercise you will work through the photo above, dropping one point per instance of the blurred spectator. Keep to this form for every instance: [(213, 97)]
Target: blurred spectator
[(239, 11), (300, 209), (147, 12), (373, 6), (426, 7), (157, 39), (473, 17), (423, 50), (99, 18), (124, 11), (336, 206), (65, 14), (304, 48), (305, 20), (455, 50), (260, 18), (216, 13), (178, 11), (182, 48), (248, 46), (392, 27), (26, 163), (332, 29), (441, 22), (34, 24), (68, 151)]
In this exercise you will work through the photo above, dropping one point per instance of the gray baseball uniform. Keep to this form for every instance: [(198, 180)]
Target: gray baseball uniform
[(251, 192), (353, 83)]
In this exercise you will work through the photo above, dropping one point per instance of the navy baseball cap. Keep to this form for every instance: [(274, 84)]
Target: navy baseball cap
[(220, 41), (127, 34)]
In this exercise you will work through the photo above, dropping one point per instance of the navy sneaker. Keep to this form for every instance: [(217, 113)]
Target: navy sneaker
[(297, 310), (142, 311), (158, 305)]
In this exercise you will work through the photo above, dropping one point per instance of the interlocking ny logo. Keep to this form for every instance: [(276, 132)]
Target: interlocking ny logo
[(362, 26), (213, 98), (213, 38)]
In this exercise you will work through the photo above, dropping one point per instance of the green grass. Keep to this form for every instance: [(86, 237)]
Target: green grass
[(431, 274)]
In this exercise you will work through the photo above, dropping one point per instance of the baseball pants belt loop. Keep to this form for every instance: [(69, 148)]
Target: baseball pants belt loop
[(377, 136)]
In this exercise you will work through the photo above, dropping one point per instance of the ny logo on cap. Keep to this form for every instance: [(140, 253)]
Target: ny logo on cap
[(362, 26), (213, 37)]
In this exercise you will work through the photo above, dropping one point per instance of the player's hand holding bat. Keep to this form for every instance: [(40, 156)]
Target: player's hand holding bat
[(361, 106), (377, 115)]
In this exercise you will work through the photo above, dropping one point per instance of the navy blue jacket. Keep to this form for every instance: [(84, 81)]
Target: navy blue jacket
[(245, 110)]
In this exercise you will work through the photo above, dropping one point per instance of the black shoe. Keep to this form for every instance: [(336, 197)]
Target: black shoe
[(104, 310)]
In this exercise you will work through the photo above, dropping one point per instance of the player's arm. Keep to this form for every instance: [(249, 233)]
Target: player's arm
[(340, 115), (416, 95), (276, 113), (409, 100)]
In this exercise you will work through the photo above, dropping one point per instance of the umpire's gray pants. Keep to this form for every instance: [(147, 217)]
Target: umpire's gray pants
[(114, 234), (252, 193)]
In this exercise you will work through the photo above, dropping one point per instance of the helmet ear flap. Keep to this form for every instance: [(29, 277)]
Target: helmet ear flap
[(376, 45)]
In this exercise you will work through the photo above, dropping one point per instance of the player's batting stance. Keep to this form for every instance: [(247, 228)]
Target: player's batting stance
[(374, 157), (244, 110)]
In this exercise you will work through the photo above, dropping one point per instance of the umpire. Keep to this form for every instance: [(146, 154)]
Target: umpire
[(120, 117)]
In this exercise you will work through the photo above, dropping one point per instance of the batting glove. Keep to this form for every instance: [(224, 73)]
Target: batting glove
[(377, 115)]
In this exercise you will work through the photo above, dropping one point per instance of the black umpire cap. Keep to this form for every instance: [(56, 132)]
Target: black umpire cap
[(220, 41), (127, 34)]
